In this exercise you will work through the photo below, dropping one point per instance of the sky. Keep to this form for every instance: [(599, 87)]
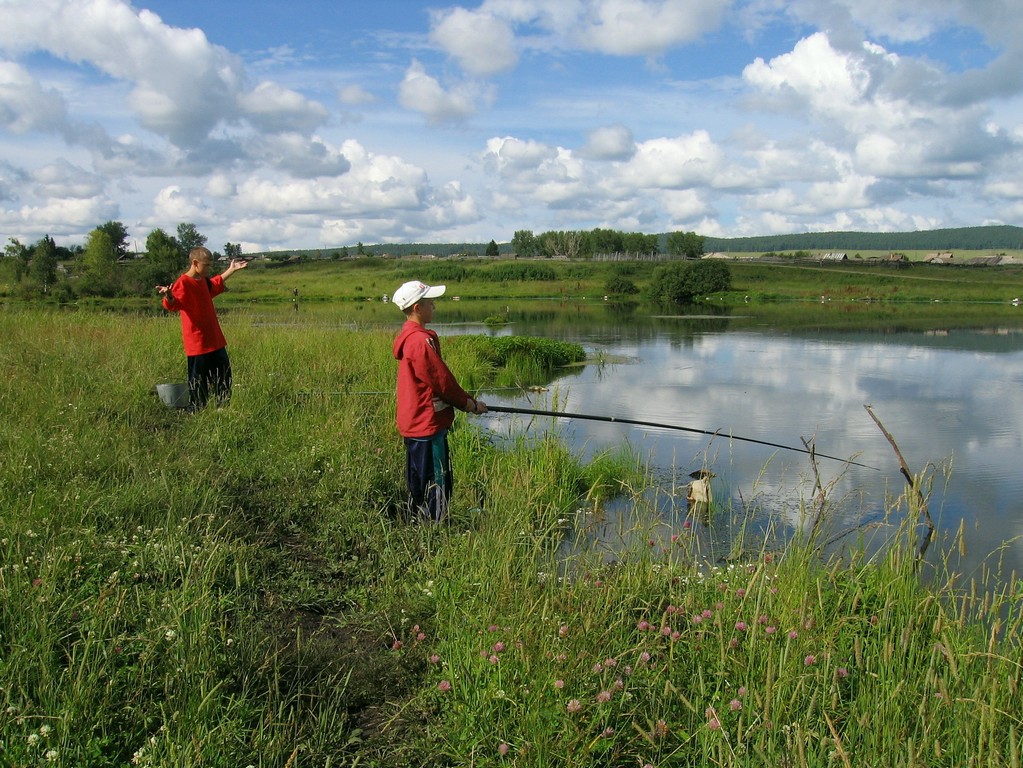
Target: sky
[(325, 123)]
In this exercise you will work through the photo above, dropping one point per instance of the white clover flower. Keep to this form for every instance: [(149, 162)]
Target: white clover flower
[(169, 635), (45, 730), (33, 739), (51, 755)]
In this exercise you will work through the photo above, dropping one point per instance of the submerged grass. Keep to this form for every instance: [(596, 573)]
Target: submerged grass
[(232, 589)]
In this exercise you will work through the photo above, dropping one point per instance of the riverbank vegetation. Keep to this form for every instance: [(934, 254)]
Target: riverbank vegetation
[(233, 588)]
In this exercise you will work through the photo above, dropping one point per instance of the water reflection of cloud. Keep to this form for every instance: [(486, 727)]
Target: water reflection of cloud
[(952, 406)]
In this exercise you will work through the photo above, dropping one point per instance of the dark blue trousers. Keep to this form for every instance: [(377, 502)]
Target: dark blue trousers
[(428, 475)]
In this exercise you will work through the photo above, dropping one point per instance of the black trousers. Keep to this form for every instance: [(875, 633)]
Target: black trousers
[(209, 375)]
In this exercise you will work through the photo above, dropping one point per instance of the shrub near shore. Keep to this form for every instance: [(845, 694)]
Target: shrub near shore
[(232, 589)]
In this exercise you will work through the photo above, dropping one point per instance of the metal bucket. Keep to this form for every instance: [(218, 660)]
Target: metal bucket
[(173, 395)]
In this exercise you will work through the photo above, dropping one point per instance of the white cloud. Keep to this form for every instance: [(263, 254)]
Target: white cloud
[(174, 205), (675, 163), (60, 179), (482, 43), (646, 27), (25, 105), (269, 107), (612, 142), (422, 93), (355, 95)]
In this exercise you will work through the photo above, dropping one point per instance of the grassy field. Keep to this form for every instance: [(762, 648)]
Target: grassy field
[(233, 588)]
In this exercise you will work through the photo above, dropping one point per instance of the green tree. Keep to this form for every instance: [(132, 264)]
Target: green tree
[(688, 245), (492, 249), (163, 261), (681, 282), (620, 286), (118, 234), (232, 251), (18, 256), (189, 237), (98, 274), (525, 244), (637, 242), (42, 267)]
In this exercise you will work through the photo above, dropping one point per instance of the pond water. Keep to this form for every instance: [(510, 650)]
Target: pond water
[(952, 399)]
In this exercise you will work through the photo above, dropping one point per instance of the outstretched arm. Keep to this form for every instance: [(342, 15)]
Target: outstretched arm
[(233, 267)]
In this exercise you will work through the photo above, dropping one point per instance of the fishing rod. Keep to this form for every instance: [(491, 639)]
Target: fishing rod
[(635, 422)]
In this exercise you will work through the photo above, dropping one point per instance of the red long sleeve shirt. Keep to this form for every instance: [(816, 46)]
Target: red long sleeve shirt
[(193, 300), (427, 389)]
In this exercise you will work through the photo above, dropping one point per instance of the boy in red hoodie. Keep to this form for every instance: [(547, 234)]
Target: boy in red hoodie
[(428, 395), (191, 295)]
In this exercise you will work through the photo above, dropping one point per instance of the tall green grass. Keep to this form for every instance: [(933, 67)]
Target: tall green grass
[(233, 588)]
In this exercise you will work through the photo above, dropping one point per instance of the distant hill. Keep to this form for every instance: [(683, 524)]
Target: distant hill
[(1003, 237)]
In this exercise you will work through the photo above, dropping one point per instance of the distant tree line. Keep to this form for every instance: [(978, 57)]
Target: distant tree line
[(587, 244), (963, 238), (103, 265)]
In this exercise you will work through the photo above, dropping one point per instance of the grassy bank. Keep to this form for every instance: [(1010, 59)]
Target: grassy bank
[(232, 588)]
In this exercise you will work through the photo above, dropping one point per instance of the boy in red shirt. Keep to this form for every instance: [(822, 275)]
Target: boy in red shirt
[(191, 296), (428, 395)]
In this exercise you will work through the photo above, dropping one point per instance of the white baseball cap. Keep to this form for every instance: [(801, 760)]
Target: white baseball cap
[(414, 291)]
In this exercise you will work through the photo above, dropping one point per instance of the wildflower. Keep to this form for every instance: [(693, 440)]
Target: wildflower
[(610, 662), (563, 630), (735, 705), (597, 668), (444, 685), (169, 635), (698, 619), (770, 630), (396, 645), (740, 626), (574, 705), (33, 739), (604, 696), (810, 660), (434, 658), (45, 730), (502, 749), (741, 691), (676, 636), (607, 733), (498, 647), (660, 728), (842, 672), (714, 724), (793, 634), (619, 684), (740, 592), (644, 657), (421, 636), (493, 658), (51, 755), (493, 628), (559, 684), (643, 625)]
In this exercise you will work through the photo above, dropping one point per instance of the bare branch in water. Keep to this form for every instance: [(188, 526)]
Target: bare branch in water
[(914, 485)]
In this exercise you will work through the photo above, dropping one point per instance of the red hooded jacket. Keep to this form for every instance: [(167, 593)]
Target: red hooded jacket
[(427, 389)]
